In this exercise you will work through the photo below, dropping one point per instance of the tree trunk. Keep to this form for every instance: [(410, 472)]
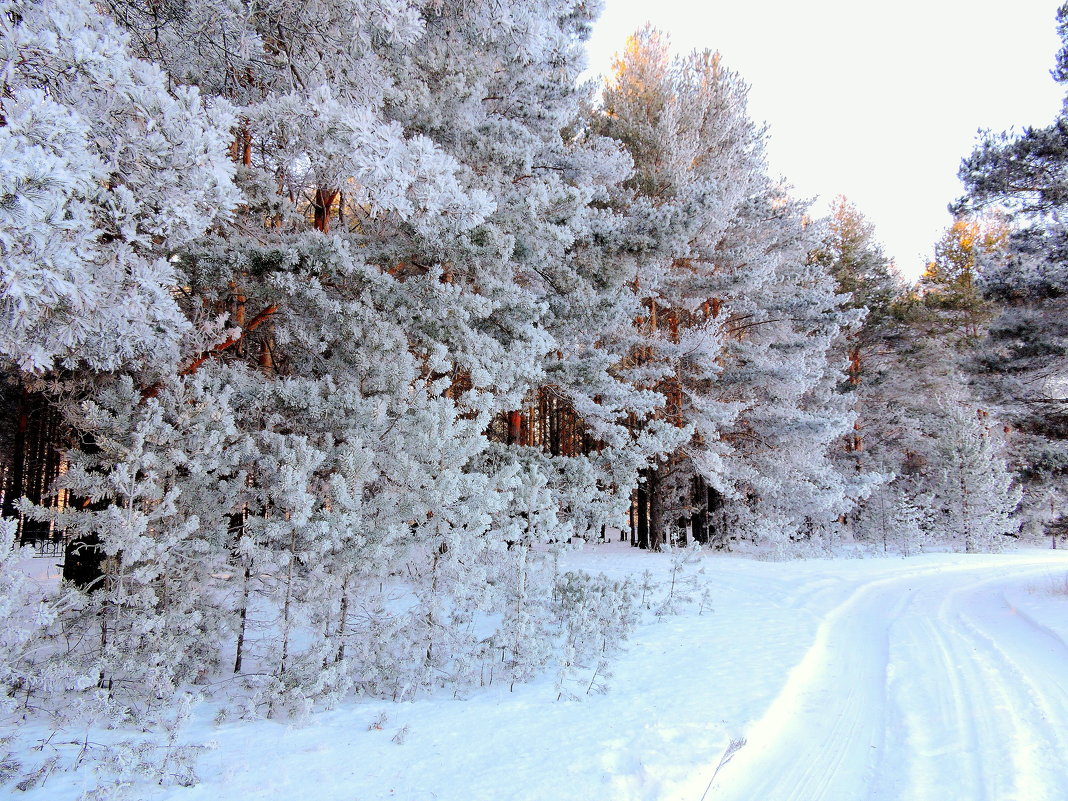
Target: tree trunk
[(642, 512), (237, 531), (324, 200), (632, 516), (714, 503), (699, 518), (343, 620), (515, 422), (42, 464), (84, 562), (16, 475), (855, 365), (655, 511)]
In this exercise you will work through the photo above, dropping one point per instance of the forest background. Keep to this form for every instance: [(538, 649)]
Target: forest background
[(328, 326)]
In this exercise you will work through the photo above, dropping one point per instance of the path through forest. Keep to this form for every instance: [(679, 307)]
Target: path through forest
[(927, 684)]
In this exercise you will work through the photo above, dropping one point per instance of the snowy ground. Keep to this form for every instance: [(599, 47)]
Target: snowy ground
[(937, 677)]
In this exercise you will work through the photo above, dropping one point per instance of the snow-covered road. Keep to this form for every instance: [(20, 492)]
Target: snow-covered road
[(925, 685), (942, 677)]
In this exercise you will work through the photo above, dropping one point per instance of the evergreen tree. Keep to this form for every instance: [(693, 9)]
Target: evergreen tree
[(420, 244), (1019, 368), (735, 326), (952, 304), (974, 488), (850, 252), (884, 379), (108, 171)]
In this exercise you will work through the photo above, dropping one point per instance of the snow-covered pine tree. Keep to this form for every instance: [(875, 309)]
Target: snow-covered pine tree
[(897, 517), (736, 325), (416, 251), (974, 488), (1020, 369), (150, 623), (108, 171), (786, 371), (876, 376), (697, 158), (865, 278)]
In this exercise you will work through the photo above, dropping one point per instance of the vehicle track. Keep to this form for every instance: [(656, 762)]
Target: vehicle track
[(923, 686)]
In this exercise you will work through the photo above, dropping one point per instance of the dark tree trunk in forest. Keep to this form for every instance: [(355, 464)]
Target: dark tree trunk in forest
[(632, 521), (84, 563), (32, 460), (324, 200), (343, 617), (647, 513), (655, 509), (15, 486), (641, 511), (242, 615), (699, 519), (716, 525), (42, 468), (546, 421), (237, 531)]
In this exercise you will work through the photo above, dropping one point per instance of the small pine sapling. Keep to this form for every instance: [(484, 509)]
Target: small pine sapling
[(683, 580), (648, 586), (596, 615)]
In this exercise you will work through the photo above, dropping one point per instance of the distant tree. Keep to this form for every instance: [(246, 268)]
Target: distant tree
[(949, 284), (736, 324), (850, 252), (864, 277), (958, 252), (974, 488)]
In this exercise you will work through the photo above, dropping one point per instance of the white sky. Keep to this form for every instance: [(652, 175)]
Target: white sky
[(878, 101)]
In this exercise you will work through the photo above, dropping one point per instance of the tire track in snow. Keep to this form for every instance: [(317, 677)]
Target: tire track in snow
[(943, 749), (1003, 736), (823, 732), (918, 687)]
